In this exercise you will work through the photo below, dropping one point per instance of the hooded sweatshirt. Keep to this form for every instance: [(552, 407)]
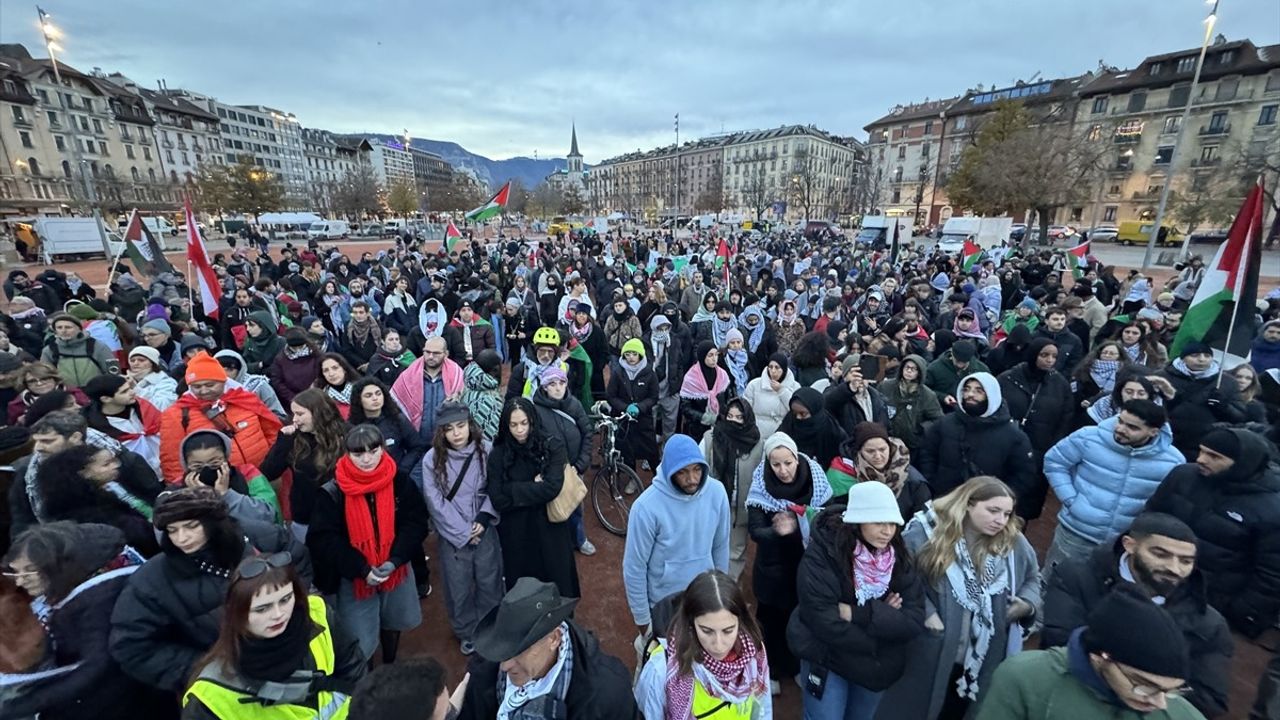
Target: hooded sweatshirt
[(1263, 355), (257, 384), (673, 536)]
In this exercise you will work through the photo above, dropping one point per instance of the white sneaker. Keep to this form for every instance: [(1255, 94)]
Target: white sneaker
[(587, 548), (775, 688)]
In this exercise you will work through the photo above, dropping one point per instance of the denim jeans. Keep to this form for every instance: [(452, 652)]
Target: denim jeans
[(841, 700), (579, 530)]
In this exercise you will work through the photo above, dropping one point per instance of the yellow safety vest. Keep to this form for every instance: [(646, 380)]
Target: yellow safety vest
[(214, 688), (707, 707)]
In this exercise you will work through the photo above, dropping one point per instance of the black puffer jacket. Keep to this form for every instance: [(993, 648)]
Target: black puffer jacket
[(567, 420), (1198, 404), (169, 614), (96, 687), (960, 446), (843, 406), (871, 650), (1080, 584), (1044, 409), (1236, 517), (600, 688)]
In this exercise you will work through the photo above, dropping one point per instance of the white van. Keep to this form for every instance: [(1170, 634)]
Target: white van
[(60, 236), (329, 229), (393, 227)]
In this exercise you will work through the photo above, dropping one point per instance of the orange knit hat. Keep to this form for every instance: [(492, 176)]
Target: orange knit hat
[(204, 367)]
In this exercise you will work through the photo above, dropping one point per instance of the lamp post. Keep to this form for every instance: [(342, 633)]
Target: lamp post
[(675, 220), (1209, 23), (50, 32)]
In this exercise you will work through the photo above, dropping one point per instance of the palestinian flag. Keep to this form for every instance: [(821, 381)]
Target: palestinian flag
[(495, 205), (1079, 257), (842, 475), (1222, 313), (143, 249), (970, 254), (451, 236)]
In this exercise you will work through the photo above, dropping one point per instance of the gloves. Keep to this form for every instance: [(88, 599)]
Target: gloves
[(708, 418), (633, 410)]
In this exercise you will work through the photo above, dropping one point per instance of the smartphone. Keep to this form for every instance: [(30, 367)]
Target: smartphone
[(209, 476)]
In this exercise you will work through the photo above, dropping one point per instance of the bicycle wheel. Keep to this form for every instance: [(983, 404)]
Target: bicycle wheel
[(611, 503)]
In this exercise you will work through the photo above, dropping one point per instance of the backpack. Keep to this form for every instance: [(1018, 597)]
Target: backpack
[(89, 346)]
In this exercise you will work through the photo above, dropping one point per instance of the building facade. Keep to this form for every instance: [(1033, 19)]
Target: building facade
[(573, 173), (324, 168), (1234, 124), (432, 174), (391, 161), (272, 139)]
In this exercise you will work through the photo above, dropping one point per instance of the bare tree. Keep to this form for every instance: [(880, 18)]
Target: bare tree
[(358, 192), (757, 192), (571, 200), (544, 200), (804, 180), (868, 186)]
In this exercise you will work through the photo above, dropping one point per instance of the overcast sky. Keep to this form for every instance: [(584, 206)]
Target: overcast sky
[(506, 78)]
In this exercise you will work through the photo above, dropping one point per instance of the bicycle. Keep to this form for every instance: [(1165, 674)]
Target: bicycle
[(615, 485)]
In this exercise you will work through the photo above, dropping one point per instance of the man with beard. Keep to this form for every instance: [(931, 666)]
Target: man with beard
[(981, 439), (1230, 496), (1158, 555), (423, 386), (1103, 474)]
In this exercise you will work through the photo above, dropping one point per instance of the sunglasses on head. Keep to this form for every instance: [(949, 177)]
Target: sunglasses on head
[(258, 564)]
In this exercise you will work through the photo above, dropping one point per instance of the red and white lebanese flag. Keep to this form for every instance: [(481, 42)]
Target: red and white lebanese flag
[(198, 258)]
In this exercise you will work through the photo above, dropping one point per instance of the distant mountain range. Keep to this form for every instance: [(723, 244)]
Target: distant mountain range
[(492, 172)]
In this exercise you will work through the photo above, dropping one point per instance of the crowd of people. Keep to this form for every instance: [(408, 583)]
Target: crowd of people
[(226, 515)]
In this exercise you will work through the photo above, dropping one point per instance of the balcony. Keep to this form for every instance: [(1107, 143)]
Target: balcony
[(1215, 130)]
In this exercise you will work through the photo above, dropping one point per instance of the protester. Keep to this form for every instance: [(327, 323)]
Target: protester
[(1040, 402), (234, 364), (454, 483), (787, 488), (116, 411), (73, 573), (816, 433), (908, 403), (862, 602), (78, 357), (270, 630), (979, 439), (296, 366), (1104, 474), (308, 448), (733, 448), (1158, 555), (525, 472), (770, 394), (677, 528), (413, 689), (168, 614), (151, 380), (561, 414), (542, 663), (1232, 478), (706, 386), (1129, 660), (711, 660), (1200, 400), (633, 391), (983, 588), (871, 455)]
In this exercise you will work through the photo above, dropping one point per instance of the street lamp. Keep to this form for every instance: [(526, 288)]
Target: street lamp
[(50, 33), (1209, 23)]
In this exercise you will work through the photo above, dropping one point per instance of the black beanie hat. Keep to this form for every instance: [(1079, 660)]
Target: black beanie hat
[(1136, 632), (188, 503), (864, 431), (1222, 441)]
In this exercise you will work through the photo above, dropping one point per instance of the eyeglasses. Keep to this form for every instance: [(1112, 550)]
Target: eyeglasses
[(258, 564), (13, 575), (1143, 689), (39, 381), (369, 450)]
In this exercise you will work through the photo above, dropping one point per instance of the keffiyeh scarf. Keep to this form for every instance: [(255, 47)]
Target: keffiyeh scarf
[(737, 362), (872, 572), (543, 698), (735, 679), (720, 330), (1103, 373)]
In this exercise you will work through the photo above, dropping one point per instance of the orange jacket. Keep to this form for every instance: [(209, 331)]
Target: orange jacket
[(244, 418)]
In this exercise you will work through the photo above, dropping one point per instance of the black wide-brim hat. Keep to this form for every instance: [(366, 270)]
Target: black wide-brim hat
[(527, 613)]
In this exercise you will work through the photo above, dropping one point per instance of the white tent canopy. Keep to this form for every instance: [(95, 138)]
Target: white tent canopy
[(289, 218)]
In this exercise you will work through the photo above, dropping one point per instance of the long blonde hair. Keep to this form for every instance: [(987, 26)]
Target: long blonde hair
[(951, 510)]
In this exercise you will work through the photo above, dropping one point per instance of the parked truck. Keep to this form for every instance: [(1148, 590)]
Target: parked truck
[(986, 232), (877, 231), (59, 237)]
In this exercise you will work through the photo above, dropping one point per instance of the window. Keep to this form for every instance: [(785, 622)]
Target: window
[(102, 147), (1156, 68), (1113, 190), (53, 118), (1164, 154), (1137, 101), (128, 152), (1171, 125), (1153, 190), (66, 168), (1095, 133), (1124, 162), (168, 155), (1267, 116), (1179, 94), (1218, 122), (928, 127), (902, 152), (60, 142), (1209, 155), (25, 138), (897, 197), (146, 153), (34, 165), (44, 96), (97, 126), (1186, 64), (222, 113), (152, 174), (10, 87), (1227, 57), (18, 115), (897, 174), (1109, 213), (924, 150), (1227, 89), (1099, 105), (1273, 81)]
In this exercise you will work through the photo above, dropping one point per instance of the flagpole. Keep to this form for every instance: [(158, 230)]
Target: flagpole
[(191, 298), (1226, 346), (115, 263)]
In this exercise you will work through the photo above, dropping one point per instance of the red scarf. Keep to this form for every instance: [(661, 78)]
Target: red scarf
[(375, 547)]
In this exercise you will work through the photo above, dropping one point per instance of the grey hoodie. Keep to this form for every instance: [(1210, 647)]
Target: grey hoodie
[(257, 384)]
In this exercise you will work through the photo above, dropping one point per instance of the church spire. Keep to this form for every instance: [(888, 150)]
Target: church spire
[(573, 146)]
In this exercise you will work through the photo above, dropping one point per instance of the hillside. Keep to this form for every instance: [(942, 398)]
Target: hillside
[(494, 172)]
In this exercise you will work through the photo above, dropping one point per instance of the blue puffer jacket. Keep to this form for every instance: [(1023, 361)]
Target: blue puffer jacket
[(1102, 484)]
